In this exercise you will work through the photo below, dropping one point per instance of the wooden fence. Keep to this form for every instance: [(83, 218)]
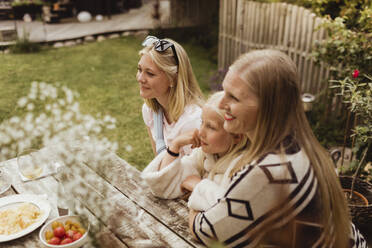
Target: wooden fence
[(247, 25)]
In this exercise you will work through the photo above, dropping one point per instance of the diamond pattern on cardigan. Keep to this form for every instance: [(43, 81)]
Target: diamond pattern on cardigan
[(206, 228), (235, 206), (274, 178)]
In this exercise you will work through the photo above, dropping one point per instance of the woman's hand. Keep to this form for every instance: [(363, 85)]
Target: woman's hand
[(192, 215), (190, 182)]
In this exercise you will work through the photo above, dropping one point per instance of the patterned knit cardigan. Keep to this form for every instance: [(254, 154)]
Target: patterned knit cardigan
[(274, 200)]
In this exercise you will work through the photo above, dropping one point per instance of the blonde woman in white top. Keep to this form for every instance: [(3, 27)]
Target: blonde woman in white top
[(168, 86), (205, 172)]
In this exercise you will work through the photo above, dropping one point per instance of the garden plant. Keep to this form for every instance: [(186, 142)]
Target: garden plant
[(347, 51)]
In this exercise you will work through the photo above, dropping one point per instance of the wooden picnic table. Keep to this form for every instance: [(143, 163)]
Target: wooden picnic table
[(134, 217)]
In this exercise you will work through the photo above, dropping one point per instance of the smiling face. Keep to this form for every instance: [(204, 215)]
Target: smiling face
[(240, 104), (153, 82), (214, 138)]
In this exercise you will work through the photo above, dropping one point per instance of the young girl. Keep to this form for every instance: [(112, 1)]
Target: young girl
[(206, 170), (171, 92), (284, 191)]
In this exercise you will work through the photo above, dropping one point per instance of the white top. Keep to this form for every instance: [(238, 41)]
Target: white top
[(189, 120), (166, 183)]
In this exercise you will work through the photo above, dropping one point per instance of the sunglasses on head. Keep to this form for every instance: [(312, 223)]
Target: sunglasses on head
[(160, 45)]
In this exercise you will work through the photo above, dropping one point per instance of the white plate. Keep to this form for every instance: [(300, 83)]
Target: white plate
[(14, 200)]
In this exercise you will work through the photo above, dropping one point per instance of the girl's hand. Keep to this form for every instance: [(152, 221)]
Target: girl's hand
[(188, 138), (190, 182)]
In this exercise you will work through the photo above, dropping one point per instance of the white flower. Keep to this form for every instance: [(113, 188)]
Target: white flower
[(62, 128), (75, 107), (29, 117), (33, 92), (69, 95), (15, 120), (22, 102), (111, 126), (129, 148), (4, 151), (97, 129), (4, 138), (30, 106), (67, 116), (61, 102), (28, 126), (43, 86), (56, 112)]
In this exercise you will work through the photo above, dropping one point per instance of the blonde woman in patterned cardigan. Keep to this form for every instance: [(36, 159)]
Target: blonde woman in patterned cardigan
[(284, 191)]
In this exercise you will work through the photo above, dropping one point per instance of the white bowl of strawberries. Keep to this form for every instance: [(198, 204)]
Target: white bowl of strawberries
[(64, 232)]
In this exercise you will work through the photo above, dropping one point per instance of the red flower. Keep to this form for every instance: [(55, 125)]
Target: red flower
[(355, 73)]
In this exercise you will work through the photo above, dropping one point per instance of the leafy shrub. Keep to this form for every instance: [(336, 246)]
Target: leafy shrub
[(324, 128), (356, 92), (24, 45), (350, 10), (348, 52), (345, 48)]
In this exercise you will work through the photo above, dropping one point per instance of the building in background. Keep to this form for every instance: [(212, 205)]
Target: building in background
[(55, 10)]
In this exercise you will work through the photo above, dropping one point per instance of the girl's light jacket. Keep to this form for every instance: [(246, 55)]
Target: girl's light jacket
[(166, 183)]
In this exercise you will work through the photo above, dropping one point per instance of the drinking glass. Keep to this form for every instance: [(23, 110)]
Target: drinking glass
[(4, 181), (30, 164)]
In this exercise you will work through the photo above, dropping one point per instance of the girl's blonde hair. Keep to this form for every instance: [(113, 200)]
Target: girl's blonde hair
[(234, 149), (185, 88), (272, 77)]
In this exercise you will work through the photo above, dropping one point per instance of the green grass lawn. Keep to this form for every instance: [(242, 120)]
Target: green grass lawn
[(103, 73)]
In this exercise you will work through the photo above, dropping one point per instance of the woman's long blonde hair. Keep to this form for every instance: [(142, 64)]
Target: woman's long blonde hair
[(185, 88), (234, 149), (272, 76)]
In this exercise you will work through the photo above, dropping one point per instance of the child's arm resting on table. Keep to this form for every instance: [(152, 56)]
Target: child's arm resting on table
[(191, 137)]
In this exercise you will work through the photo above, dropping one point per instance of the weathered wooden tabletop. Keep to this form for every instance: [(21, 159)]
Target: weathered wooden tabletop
[(134, 217)]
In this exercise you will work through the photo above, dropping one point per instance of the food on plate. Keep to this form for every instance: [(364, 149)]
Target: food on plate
[(64, 233), (14, 220)]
